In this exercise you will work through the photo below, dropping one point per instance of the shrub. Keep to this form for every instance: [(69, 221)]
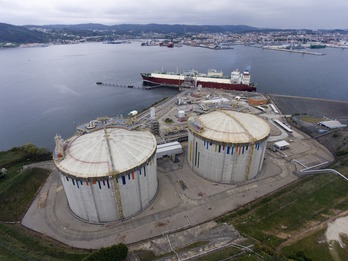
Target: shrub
[(168, 120), (335, 135), (299, 256), (114, 253), (34, 153)]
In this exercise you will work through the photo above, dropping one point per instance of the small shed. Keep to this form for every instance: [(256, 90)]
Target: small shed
[(281, 145)]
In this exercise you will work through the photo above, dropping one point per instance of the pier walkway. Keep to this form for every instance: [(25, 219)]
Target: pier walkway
[(150, 87), (293, 51)]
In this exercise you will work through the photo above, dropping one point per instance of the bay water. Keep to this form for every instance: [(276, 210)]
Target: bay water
[(44, 91)]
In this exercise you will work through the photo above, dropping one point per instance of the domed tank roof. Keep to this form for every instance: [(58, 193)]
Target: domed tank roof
[(229, 127), (97, 153)]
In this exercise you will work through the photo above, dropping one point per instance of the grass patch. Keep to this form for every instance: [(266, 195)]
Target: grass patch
[(17, 187), (341, 253), (23, 242), (146, 255), (288, 210), (18, 191), (270, 220), (9, 158), (313, 246), (8, 255), (220, 254), (310, 119)]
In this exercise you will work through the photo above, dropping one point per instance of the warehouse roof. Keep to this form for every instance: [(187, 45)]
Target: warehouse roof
[(230, 127), (97, 153), (332, 124)]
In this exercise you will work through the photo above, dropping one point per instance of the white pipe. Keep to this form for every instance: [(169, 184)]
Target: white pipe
[(173, 249), (309, 169)]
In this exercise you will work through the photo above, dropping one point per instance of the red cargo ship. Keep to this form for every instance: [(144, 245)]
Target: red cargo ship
[(192, 79)]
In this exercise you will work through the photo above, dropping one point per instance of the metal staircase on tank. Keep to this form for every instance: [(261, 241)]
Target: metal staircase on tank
[(113, 174), (118, 196), (251, 158), (250, 136)]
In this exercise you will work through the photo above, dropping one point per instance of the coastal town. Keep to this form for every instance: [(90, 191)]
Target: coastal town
[(210, 38)]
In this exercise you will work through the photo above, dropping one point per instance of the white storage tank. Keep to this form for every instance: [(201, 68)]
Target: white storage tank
[(108, 174), (227, 146)]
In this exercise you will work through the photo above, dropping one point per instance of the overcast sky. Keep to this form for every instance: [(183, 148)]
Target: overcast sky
[(296, 14)]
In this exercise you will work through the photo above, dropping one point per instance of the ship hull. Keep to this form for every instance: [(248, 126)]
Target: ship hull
[(180, 82)]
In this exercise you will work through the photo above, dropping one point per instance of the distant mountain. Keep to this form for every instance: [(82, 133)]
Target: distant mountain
[(155, 28), (19, 34), (182, 28), (99, 32), (74, 27), (46, 33)]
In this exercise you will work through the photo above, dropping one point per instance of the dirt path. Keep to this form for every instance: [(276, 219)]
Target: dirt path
[(312, 229)]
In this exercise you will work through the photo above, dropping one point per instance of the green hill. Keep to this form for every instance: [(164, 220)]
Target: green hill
[(19, 34)]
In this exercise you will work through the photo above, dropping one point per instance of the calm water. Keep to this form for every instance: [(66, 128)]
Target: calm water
[(45, 91)]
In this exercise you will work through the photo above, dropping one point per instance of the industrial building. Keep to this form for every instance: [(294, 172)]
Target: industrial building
[(333, 124), (227, 146), (168, 149), (108, 174)]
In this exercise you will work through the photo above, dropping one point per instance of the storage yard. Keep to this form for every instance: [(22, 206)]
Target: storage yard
[(191, 191)]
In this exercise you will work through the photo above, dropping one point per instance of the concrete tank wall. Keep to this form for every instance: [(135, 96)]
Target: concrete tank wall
[(94, 200), (225, 163)]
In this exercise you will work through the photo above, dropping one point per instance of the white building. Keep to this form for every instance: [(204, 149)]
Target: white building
[(281, 145), (227, 146), (168, 149), (108, 174)]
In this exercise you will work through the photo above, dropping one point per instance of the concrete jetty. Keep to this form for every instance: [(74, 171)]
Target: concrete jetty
[(292, 51)]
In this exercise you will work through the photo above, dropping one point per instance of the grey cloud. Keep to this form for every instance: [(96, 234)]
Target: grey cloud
[(261, 13)]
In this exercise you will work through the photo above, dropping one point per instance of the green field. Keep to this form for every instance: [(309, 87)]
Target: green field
[(17, 191), (18, 187), (310, 119), (315, 247), (272, 219), (16, 242)]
